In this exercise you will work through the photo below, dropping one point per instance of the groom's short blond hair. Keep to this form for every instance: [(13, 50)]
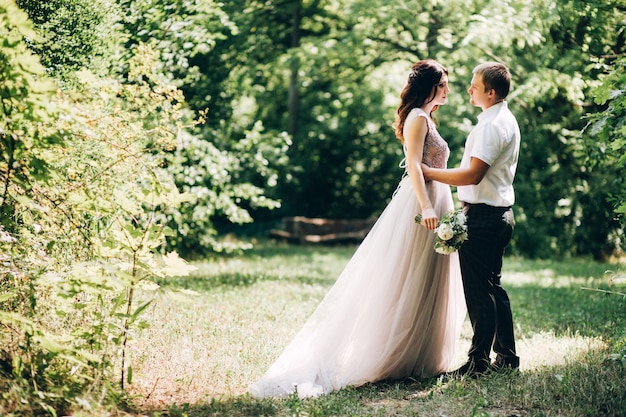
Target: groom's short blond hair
[(496, 76)]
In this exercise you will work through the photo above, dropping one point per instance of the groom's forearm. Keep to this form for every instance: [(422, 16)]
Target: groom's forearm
[(454, 176), (471, 175)]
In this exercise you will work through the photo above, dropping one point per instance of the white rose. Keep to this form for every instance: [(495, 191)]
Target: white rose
[(460, 218), (445, 232), (445, 250)]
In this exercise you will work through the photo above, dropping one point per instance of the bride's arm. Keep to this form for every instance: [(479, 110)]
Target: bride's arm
[(414, 136)]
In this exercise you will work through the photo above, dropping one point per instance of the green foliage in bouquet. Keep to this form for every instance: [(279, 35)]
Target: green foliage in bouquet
[(450, 233)]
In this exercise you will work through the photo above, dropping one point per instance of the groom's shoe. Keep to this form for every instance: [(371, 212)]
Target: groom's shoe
[(504, 365), (471, 369)]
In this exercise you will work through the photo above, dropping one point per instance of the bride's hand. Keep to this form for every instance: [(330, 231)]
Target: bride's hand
[(429, 219)]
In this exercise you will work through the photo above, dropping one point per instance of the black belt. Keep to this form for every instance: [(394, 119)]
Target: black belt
[(485, 206)]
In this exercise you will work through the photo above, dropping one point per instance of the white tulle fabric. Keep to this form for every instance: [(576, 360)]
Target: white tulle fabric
[(395, 311)]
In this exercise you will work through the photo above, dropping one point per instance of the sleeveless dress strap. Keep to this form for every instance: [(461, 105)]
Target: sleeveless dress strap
[(416, 112)]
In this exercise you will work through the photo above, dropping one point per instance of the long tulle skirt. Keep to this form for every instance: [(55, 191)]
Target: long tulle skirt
[(395, 311)]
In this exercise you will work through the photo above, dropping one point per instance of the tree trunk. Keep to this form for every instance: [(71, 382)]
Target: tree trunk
[(293, 80)]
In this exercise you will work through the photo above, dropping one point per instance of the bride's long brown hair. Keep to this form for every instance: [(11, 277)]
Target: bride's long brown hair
[(419, 89)]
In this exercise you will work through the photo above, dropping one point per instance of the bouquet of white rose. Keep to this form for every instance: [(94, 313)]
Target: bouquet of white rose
[(451, 231)]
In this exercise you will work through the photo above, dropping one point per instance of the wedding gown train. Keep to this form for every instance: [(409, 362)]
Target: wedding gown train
[(394, 312)]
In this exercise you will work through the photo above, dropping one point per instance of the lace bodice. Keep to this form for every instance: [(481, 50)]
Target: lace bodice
[(436, 150)]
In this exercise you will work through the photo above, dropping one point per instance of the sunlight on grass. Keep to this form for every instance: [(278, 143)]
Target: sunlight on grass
[(540, 350), (546, 349), (549, 278), (216, 344), (211, 346)]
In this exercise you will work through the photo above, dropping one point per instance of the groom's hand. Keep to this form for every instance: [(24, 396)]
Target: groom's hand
[(426, 170)]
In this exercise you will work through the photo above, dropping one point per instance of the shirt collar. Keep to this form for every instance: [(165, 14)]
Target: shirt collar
[(493, 110)]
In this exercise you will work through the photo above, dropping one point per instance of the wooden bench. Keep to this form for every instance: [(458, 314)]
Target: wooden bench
[(317, 230)]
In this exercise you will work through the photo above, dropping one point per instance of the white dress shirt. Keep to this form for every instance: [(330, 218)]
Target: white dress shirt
[(495, 140)]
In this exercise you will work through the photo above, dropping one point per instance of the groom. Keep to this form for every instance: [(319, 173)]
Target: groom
[(485, 187)]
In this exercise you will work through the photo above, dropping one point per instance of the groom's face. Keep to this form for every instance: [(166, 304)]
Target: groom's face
[(478, 96)]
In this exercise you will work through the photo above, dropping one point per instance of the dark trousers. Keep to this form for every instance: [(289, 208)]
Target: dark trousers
[(489, 231)]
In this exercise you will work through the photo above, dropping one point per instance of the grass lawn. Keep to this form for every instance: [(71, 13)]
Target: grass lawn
[(203, 350)]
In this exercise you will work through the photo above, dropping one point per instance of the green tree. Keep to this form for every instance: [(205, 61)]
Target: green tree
[(562, 209), (84, 198), (72, 34), (25, 115), (342, 151), (548, 46), (605, 136), (228, 162)]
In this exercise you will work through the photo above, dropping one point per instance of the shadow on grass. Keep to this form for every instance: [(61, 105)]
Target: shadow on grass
[(203, 282), (567, 311), (350, 401), (574, 267), (303, 264), (319, 264), (592, 386)]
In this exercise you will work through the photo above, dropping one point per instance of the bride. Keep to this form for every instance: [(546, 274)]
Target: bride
[(396, 309)]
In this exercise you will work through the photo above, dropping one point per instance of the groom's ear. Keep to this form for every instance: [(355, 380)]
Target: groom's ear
[(493, 95)]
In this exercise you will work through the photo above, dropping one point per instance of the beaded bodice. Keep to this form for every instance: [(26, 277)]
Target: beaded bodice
[(436, 150)]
